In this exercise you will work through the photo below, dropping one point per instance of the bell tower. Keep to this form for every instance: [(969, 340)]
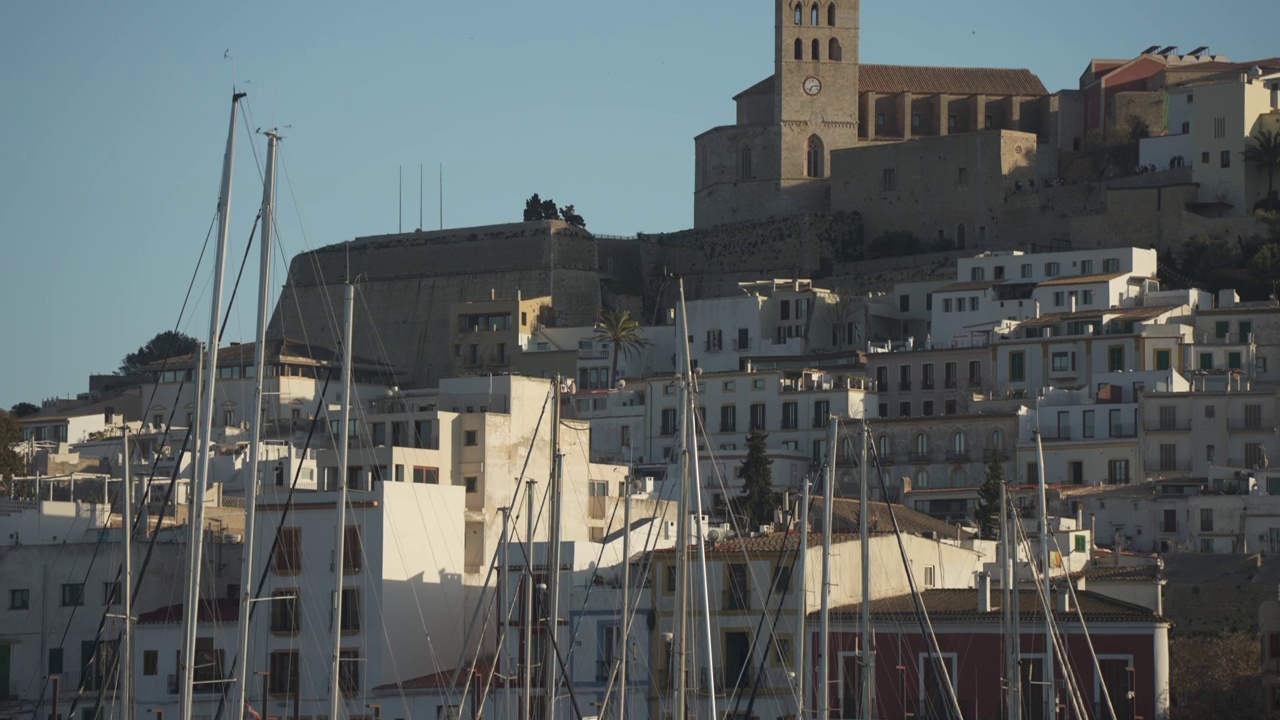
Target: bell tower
[(815, 85)]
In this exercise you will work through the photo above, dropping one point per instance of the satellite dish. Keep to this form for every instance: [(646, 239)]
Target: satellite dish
[(713, 536), (621, 383), (697, 371)]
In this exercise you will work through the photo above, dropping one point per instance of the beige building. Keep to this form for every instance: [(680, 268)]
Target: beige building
[(776, 158), (489, 335)]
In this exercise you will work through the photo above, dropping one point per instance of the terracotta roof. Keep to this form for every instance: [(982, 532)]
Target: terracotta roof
[(962, 605), (443, 679), (845, 519), (970, 285), (221, 610), (769, 543), (1138, 313), (1149, 573), (949, 80), (1077, 279)]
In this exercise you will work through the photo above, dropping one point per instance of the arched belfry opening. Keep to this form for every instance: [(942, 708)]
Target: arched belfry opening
[(813, 51), (799, 54), (831, 15), (813, 15), (834, 52), (814, 157)]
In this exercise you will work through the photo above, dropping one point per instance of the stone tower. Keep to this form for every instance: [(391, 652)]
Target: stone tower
[(815, 88)]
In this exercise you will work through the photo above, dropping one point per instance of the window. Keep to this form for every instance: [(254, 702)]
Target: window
[(926, 376), (20, 599), (1061, 362), (1206, 361), (757, 416), (799, 47), (111, 593), (1086, 297), (1254, 455), (469, 438), (916, 121), (904, 303), (904, 378), (426, 475), (1110, 265), (1018, 366), (1204, 158), (1206, 519), (728, 418), (921, 445), (950, 375), (799, 13), (1210, 453), (946, 305), (1168, 417), (1219, 128), (1059, 298), (1168, 457), (813, 15), (471, 483), (904, 409), (72, 594), (286, 558), (1115, 358), (283, 679), (781, 578), (926, 408), (1087, 421), (1252, 417), (814, 152), (835, 53), (882, 410), (977, 273), (880, 120), (821, 413), (744, 162), (352, 550), (1246, 330), (831, 14), (150, 662), (959, 443), (350, 610), (670, 585), (1086, 267), (1026, 270), (930, 576), (1206, 545), (1118, 472), (1226, 159), (1234, 361), (889, 180), (284, 611), (669, 421), (1162, 359), (952, 122), (790, 416)]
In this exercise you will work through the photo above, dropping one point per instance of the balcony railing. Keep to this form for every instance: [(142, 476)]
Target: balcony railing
[(904, 386), (1175, 466), (921, 457), (1246, 425), (1056, 435), (957, 456), (950, 383), (1167, 426)]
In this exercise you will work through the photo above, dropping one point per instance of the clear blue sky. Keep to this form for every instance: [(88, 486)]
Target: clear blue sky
[(113, 120)]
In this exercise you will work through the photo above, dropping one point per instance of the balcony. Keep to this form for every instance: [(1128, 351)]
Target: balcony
[(950, 383), (958, 456), (1055, 435), (904, 386), (1156, 426), (1246, 425), (1175, 466), (921, 457), (592, 354)]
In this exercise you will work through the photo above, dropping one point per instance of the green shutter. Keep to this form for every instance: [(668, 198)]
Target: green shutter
[(1081, 544), (1206, 361), (1222, 328)]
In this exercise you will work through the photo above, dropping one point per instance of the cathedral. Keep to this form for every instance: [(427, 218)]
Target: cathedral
[(777, 158)]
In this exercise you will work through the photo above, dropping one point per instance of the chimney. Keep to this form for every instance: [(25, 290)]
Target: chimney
[(1063, 599), (984, 592)]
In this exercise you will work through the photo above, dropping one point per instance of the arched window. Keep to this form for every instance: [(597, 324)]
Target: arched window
[(922, 478), (960, 239), (1176, 162), (834, 51), (958, 442), (831, 14), (813, 50), (882, 448), (922, 444), (813, 15), (744, 162), (997, 442), (814, 156), (799, 49), (799, 12), (958, 478)]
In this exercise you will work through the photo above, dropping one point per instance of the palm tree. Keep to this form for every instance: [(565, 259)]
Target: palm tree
[(1264, 152), (623, 331)]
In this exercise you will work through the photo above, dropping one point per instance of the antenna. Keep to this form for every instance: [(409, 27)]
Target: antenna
[(419, 196), (441, 184), (400, 208)]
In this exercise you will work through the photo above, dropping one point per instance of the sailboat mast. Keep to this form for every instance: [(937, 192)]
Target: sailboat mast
[(1052, 701), (802, 598), (255, 423), (824, 620), (126, 523), (696, 489), (680, 711), (504, 585), (201, 470), (1013, 640), (864, 541), (551, 666), (626, 601), (339, 553), (529, 589)]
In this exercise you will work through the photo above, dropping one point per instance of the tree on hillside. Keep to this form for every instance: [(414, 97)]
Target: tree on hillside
[(618, 328), (10, 432), (24, 409), (164, 345), (758, 500), (1215, 676), (1264, 151), (987, 512), (535, 208)]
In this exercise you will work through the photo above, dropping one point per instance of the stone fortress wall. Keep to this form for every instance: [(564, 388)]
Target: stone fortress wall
[(408, 281)]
